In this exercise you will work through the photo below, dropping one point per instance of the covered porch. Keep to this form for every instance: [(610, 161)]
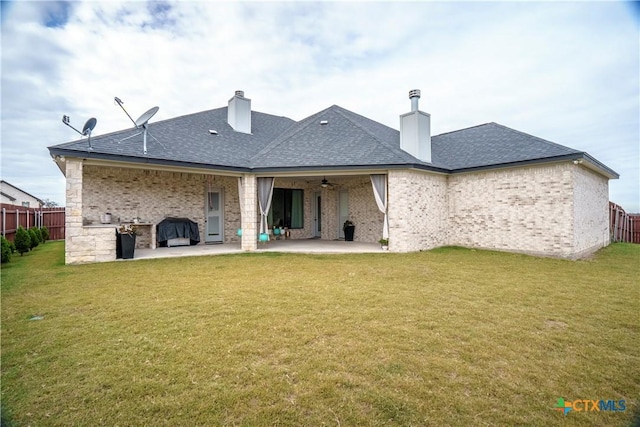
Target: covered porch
[(228, 208)]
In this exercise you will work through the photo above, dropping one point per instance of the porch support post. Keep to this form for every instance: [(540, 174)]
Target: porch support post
[(249, 218), (73, 209)]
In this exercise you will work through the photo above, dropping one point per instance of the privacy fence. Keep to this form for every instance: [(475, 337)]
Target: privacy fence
[(624, 227), (14, 216)]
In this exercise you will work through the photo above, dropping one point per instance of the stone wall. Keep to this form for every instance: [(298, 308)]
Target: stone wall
[(418, 210), (528, 209)]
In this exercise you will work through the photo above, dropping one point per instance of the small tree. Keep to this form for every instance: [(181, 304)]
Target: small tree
[(50, 203), (34, 238), (39, 234), (45, 233), (6, 250), (22, 240)]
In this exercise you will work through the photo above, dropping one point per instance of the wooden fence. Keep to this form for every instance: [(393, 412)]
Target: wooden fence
[(624, 227), (13, 216)]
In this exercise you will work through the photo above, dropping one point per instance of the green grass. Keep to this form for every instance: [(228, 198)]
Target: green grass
[(447, 337)]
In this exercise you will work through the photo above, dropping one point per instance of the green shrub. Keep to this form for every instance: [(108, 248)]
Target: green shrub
[(45, 233), (39, 234), (34, 238), (12, 246), (22, 240), (6, 250)]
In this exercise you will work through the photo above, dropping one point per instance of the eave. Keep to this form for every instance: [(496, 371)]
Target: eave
[(578, 158)]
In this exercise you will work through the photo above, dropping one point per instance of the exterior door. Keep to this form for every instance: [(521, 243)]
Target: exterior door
[(317, 208), (214, 216), (343, 211)]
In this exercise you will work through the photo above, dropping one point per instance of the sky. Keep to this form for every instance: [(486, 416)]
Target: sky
[(567, 72)]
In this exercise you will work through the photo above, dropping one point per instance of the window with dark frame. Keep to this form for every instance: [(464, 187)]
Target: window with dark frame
[(287, 208)]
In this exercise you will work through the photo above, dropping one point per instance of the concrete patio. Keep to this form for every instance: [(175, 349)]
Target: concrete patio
[(306, 246)]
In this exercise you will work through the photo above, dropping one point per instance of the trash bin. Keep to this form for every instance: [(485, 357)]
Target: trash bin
[(348, 233)]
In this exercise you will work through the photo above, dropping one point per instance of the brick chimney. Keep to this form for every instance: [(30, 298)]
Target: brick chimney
[(239, 113), (415, 130)]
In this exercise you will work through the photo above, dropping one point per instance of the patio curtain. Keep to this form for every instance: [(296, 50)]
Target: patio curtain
[(265, 194), (241, 197), (379, 183)]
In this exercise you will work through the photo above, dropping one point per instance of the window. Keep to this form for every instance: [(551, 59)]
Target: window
[(25, 204), (287, 208)]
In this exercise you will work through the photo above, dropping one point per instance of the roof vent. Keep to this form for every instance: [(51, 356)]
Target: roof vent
[(324, 122), (213, 131), (414, 96)]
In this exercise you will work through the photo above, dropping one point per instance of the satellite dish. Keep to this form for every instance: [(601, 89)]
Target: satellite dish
[(89, 125), (140, 123), (86, 130), (143, 119)]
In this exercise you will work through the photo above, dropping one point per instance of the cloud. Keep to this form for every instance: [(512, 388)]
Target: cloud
[(566, 72)]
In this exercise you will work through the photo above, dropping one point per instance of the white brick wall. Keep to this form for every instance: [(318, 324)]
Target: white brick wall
[(558, 209), (418, 213), (155, 195), (525, 209), (590, 210), (363, 211), (129, 193), (530, 209)]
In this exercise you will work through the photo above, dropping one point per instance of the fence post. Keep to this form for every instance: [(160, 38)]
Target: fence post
[(626, 226), (4, 222)]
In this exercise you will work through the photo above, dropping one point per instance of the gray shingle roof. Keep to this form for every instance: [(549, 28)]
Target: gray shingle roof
[(491, 144), (187, 139), (346, 140)]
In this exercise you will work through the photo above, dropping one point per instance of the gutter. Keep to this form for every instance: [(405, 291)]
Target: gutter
[(57, 153), (578, 158)]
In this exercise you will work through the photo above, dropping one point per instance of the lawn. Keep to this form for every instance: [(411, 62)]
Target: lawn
[(446, 337)]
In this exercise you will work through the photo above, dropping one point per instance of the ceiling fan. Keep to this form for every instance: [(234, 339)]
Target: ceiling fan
[(325, 183)]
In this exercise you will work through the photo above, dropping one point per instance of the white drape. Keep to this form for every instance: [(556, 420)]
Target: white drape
[(265, 194), (241, 197), (379, 183)]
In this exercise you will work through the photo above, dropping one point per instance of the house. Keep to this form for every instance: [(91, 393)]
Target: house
[(12, 195), (232, 168)]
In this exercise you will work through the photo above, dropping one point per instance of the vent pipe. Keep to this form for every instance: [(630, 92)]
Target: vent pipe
[(414, 96)]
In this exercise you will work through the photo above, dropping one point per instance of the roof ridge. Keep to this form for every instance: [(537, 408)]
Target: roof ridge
[(467, 128), (390, 148), (282, 137)]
